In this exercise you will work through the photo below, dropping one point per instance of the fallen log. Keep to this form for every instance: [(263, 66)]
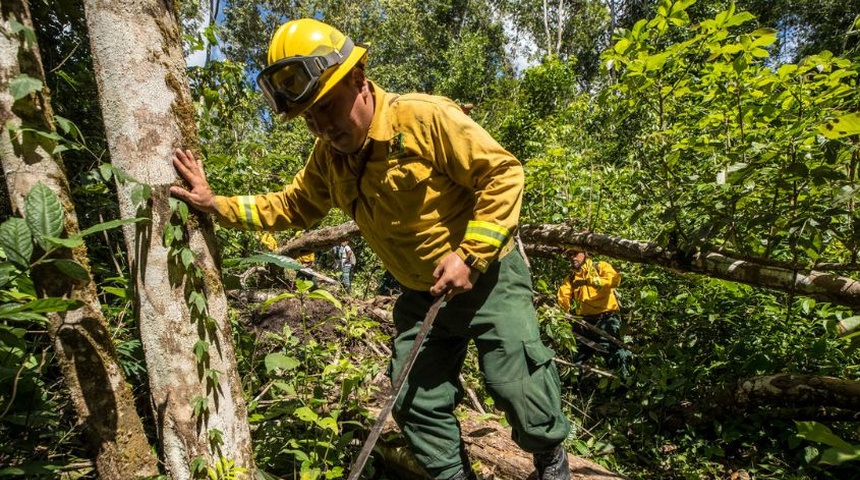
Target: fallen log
[(548, 240), (489, 445), (718, 264)]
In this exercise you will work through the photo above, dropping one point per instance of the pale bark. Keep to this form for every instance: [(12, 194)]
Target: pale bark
[(85, 352), (143, 91)]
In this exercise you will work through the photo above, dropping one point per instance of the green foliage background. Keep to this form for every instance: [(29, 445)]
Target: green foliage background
[(690, 124)]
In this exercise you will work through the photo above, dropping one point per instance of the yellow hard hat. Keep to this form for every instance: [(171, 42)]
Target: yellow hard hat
[(306, 59)]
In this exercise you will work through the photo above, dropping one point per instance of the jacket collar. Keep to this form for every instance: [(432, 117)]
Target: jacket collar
[(381, 129)]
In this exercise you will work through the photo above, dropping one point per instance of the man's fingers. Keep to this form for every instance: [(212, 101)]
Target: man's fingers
[(180, 193)]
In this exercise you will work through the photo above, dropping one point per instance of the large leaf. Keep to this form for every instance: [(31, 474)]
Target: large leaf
[(71, 268), (838, 456), (273, 258), (275, 361), (15, 312), (110, 225), (43, 212), (17, 241), (843, 126), (23, 85), (45, 305), (816, 432), (8, 272)]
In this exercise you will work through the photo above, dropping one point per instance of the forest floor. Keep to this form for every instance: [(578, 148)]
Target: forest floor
[(487, 440)]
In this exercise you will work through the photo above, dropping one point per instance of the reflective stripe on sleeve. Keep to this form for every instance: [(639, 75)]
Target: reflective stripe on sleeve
[(487, 232), (248, 211)]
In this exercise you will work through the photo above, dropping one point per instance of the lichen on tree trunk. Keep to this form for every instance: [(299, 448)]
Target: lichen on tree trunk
[(140, 70)]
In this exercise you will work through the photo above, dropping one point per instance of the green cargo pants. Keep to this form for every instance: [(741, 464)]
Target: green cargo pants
[(499, 316)]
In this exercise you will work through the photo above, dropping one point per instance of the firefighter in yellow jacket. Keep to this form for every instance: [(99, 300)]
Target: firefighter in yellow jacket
[(438, 200), (589, 291)]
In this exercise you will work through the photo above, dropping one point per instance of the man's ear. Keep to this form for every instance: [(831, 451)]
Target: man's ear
[(358, 78)]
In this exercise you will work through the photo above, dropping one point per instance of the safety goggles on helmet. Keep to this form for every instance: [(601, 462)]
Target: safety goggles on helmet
[(292, 81)]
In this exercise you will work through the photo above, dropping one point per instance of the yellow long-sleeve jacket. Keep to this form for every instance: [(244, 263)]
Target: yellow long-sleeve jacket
[(428, 181), (591, 289)]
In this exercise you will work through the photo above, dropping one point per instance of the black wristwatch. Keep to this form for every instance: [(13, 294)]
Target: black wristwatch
[(471, 260)]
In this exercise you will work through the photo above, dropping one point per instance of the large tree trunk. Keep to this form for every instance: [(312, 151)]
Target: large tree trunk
[(181, 306), (85, 351)]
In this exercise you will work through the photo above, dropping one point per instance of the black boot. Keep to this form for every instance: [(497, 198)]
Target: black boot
[(552, 465)]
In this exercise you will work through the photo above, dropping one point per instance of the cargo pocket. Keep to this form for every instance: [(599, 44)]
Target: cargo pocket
[(541, 387)]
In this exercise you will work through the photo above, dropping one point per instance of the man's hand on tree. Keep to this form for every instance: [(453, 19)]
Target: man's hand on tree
[(198, 194)]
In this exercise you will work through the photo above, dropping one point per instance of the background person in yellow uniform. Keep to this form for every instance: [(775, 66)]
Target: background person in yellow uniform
[(268, 241), (589, 291), (438, 200), (307, 258)]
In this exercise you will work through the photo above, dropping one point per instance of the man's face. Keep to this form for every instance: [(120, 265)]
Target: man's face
[(576, 259), (343, 115)]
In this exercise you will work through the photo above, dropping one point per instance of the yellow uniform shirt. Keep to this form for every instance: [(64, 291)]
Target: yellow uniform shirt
[(428, 181), (306, 258), (595, 293), (268, 241)]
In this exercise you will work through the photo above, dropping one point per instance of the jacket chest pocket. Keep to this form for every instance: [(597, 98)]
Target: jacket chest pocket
[(406, 176)]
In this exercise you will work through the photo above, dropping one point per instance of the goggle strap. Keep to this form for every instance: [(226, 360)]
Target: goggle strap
[(336, 57)]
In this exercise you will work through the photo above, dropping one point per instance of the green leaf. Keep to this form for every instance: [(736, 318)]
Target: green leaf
[(621, 46), (71, 269), (200, 405), (656, 62), (140, 194), (306, 414), (280, 361), (16, 312), (739, 19), (51, 304), (24, 85), (201, 350), (273, 258), (117, 292), (43, 212), (8, 272), (840, 127), (187, 257), (30, 470), (197, 301), (71, 242), (19, 28), (182, 208), (328, 423), (111, 225), (321, 294), (17, 241), (816, 432), (838, 456)]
